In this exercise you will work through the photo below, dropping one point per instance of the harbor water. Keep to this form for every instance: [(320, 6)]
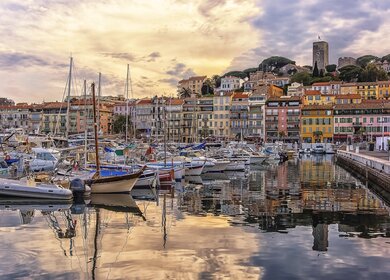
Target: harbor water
[(304, 219)]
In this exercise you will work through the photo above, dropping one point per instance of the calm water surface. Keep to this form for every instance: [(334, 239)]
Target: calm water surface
[(305, 219)]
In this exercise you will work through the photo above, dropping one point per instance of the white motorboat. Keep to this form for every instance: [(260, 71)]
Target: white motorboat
[(235, 166), (319, 149), (23, 189)]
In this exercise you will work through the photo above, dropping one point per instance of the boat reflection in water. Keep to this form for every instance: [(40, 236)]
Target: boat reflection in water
[(283, 221)]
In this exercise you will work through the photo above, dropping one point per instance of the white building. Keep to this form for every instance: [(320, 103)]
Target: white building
[(295, 89), (230, 83)]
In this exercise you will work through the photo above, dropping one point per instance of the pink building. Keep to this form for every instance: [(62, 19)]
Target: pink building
[(361, 122)]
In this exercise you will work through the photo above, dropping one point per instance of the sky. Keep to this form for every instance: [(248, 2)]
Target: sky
[(164, 41)]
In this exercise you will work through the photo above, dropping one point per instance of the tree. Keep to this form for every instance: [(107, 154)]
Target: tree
[(316, 73), (331, 68), (317, 135), (185, 93), (216, 81), (273, 62), (386, 57), (238, 74), (208, 87), (372, 74), (282, 135), (119, 124), (301, 77), (322, 73), (250, 70), (364, 60), (350, 73), (6, 102)]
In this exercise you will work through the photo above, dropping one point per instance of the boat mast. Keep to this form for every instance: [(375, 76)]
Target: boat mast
[(95, 131), (85, 123), (127, 104), (68, 108), (132, 97), (165, 136), (98, 101)]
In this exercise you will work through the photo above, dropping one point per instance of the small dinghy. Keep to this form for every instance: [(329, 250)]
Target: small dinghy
[(23, 189)]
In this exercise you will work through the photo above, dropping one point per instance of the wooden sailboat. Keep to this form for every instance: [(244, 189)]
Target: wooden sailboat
[(110, 184)]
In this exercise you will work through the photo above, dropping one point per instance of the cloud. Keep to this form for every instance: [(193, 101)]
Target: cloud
[(206, 7), (289, 28), (172, 81), (14, 60), (153, 56), (122, 56)]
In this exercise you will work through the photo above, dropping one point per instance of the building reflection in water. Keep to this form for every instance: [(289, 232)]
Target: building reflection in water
[(312, 191)]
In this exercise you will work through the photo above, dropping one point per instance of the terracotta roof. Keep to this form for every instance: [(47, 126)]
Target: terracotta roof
[(237, 95), (383, 82), (321, 84), (348, 84), (284, 98), (312, 92), (54, 105), (175, 101), (349, 96), (363, 105), (144, 102), (16, 107)]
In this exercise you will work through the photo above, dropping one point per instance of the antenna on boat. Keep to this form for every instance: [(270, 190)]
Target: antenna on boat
[(85, 124), (127, 103), (69, 87)]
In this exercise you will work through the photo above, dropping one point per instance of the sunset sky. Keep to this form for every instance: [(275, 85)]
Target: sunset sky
[(167, 40)]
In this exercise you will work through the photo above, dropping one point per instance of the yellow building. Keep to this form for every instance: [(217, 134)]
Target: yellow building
[(317, 123), (315, 97), (348, 99), (383, 90), (348, 88), (367, 90)]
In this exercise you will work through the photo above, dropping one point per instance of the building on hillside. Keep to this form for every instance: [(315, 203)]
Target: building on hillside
[(367, 90), (174, 109), (361, 122), (221, 115), (192, 84), (205, 107), (348, 88), (315, 97), (54, 116), (345, 61), (268, 90), (15, 116), (295, 89), (384, 65), (332, 87), (144, 117), (239, 115), (383, 90), (256, 115), (320, 55), (189, 120), (230, 83), (81, 117), (348, 99), (282, 119), (317, 123)]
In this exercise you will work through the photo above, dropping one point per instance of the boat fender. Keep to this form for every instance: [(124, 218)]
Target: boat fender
[(77, 186)]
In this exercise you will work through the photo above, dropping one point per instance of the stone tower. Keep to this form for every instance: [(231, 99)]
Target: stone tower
[(321, 54)]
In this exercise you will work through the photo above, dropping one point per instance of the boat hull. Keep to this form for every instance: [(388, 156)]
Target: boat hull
[(15, 189), (114, 184), (218, 167)]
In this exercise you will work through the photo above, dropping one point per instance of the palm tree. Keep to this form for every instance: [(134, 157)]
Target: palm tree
[(317, 135), (282, 134)]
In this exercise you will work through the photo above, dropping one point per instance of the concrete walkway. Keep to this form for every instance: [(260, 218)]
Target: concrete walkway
[(384, 155)]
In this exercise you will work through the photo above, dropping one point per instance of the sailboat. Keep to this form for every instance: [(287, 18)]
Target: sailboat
[(109, 184)]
